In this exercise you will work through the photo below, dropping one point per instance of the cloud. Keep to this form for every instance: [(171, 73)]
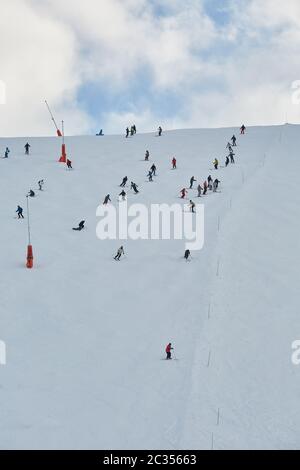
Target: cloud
[(216, 74)]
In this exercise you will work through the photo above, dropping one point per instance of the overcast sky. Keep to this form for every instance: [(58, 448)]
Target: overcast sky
[(110, 63)]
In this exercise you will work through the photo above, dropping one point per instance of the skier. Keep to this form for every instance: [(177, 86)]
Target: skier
[(27, 147), (120, 252), (232, 157), (132, 131), (168, 351), (127, 132), (215, 185), (106, 200), (227, 161), (41, 184), (205, 187), (233, 140), (124, 181), (174, 163), (80, 226), (228, 146), (69, 164), (187, 255), (216, 163), (147, 154), (242, 129), (100, 133), (199, 189), (159, 131), (31, 193), (19, 211), (6, 152), (123, 194), (192, 206), (134, 128), (183, 193), (209, 181), (134, 187), (192, 181), (153, 169), (150, 176)]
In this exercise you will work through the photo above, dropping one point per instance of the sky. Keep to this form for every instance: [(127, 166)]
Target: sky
[(111, 63)]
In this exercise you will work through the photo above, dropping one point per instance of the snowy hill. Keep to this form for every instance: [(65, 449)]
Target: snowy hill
[(85, 335)]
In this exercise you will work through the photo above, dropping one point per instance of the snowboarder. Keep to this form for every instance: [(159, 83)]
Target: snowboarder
[(147, 155), (205, 185), (231, 155), (168, 351), (100, 132), (124, 181), (242, 129), (41, 184), (192, 181), (127, 132), (233, 140), (150, 176), (187, 255), (192, 206), (153, 169), (216, 163), (174, 163), (6, 152), (199, 189), (123, 194), (80, 226), (31, 193), (134, 187), (183, 193), (106, 200), (215, 185), (159, 131), (69, 164), (19, 211), (120, 252), (27, 147), (227, 161)]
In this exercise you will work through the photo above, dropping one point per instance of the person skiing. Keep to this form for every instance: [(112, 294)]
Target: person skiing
[(134, 187), (27, 147), (124, 181), (192, 206), (153, 169), (233, 140), (215, 185), (242, 129), (132, 131), (227, 161), (150, 176), (174, 163), (106, 200), (127, 132), (41, 184), (159, 131), (69, 164), (205, 185), (183, 193), (120, 252), (187, 255), (216, 163), (147, 155), (7, 151), (231, 155), (209, 181), (168, 350), (19, 211), (31, 193), (134, 128), (100, 132), (192, 181), (199, 189), (228, 146), (123, 194), (80, 226)]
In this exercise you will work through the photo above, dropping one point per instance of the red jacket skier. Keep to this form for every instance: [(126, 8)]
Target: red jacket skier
[(183, 193), (174, 163), (168, 351)]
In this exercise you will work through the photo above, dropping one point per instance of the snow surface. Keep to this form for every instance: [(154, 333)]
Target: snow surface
[(85, 335)]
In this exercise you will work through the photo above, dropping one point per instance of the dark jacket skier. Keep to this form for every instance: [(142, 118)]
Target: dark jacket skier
[(192, 181), (127, 132), (27, 147), (31, 193), (120, 252), (123, 194), (231, 157), (215, 185), (80, 226), (159, 131), (134, 187), (153, 169), (6, 152), (187, 254), (124, 181), (147, 155), (227, 161), (19, 211), (233, 140), (192, 206), (106, 200)]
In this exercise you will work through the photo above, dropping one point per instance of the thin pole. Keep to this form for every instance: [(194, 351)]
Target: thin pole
[(63, 131), (52, 117), (28, 222)]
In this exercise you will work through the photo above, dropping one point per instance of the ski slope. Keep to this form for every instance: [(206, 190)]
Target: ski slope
[(85, 335)]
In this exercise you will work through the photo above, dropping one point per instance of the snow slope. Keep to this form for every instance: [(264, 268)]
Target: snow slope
[(85, 335)]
